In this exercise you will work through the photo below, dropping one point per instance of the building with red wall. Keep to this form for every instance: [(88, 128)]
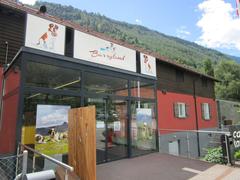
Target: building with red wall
[(186, 105), (178, 98)]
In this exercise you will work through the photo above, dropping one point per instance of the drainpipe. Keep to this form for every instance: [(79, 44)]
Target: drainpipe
[(3, 86), (196, 115), (6, 55)]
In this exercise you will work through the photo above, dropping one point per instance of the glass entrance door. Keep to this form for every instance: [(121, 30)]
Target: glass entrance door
[(111, 128)]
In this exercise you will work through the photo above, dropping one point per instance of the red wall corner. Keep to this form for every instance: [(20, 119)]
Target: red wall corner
[(9, 109)]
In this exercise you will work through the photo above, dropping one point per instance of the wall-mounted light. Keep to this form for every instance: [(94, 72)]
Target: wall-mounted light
[(164, 91)]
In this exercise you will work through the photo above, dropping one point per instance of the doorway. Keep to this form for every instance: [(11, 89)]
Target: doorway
[(174, 147), (111, 128)]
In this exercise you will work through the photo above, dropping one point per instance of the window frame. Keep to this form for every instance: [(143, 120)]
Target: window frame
[(206, 111), (180, 110)]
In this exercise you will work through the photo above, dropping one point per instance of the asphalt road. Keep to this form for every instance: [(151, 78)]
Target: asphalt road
[(154, 166)]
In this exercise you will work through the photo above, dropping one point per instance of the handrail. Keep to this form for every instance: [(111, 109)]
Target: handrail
[(65, 166), (200, 131)]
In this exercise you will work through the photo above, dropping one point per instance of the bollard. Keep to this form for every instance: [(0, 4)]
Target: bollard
[(24, 163), (227, 151), (66, 175)]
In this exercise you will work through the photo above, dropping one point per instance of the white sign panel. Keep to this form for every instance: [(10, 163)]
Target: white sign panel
[(45, 35), (148, 65), (93, 49), (117, 125)]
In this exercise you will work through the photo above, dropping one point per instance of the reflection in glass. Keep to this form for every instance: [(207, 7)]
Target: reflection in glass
[(101, 108), (49, 76), (111, 136), (117, 129), (142, 89), (105, 84)]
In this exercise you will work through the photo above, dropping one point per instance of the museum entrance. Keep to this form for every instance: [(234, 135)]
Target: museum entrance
[(111, 128)]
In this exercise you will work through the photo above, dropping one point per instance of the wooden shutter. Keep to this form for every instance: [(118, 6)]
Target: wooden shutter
[(202, 110), (175, 110), (210, 111), (187, 109)]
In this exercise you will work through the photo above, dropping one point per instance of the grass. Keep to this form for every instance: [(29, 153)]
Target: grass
[(52, 148)]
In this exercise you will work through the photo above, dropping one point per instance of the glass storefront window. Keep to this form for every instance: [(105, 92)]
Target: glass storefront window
[(105, 84), (45, 114), (143, 127), (111, 128), (142, 89), (49, 76)]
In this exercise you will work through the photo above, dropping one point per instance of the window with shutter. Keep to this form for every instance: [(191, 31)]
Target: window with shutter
[(180, 110)]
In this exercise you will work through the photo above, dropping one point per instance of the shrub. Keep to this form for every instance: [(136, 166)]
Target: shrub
[(237, 154), (214, 155)]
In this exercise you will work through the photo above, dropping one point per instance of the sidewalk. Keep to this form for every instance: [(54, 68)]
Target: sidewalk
[(219, 172), (158, 166)]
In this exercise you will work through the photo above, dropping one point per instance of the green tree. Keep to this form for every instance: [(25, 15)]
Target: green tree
[(228, 72), (208, 67)]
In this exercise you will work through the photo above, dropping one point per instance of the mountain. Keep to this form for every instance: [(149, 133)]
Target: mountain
[(182, 51), (237, 59), (60, 128)]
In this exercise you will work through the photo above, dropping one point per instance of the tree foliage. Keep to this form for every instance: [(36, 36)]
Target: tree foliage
[(229, 74)]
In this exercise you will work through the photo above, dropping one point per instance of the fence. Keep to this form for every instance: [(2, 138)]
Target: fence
[(25, 164), (10, 166), (34, 168), (206, 145)]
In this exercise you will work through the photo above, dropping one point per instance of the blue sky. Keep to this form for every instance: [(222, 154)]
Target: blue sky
[(51, 115), (211, 23)]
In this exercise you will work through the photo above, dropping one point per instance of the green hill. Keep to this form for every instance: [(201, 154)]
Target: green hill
[(202, 59)]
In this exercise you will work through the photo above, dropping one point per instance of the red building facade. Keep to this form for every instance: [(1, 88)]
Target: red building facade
[(185, 98)]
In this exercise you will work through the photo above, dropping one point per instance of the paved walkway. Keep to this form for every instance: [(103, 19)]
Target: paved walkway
[(219, 172), (166, 167)]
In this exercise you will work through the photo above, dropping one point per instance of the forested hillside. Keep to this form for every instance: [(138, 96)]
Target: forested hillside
[(185, 52)]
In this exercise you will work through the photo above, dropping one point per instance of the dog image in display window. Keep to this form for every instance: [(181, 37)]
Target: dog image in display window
[(48, 39), (147, 65)]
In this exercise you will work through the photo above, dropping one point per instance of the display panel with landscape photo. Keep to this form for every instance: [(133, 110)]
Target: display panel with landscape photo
[(52, 129)]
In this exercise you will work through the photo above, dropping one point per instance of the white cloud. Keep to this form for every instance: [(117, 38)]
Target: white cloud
[(182, 32), (219, 25), (138, 21), (30, 2)]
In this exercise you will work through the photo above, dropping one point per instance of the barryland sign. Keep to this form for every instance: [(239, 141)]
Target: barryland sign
[(93, 49), (235, 133)]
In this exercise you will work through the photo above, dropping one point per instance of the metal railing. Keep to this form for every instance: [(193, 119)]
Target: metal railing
[(9, 168), (23, 148)]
